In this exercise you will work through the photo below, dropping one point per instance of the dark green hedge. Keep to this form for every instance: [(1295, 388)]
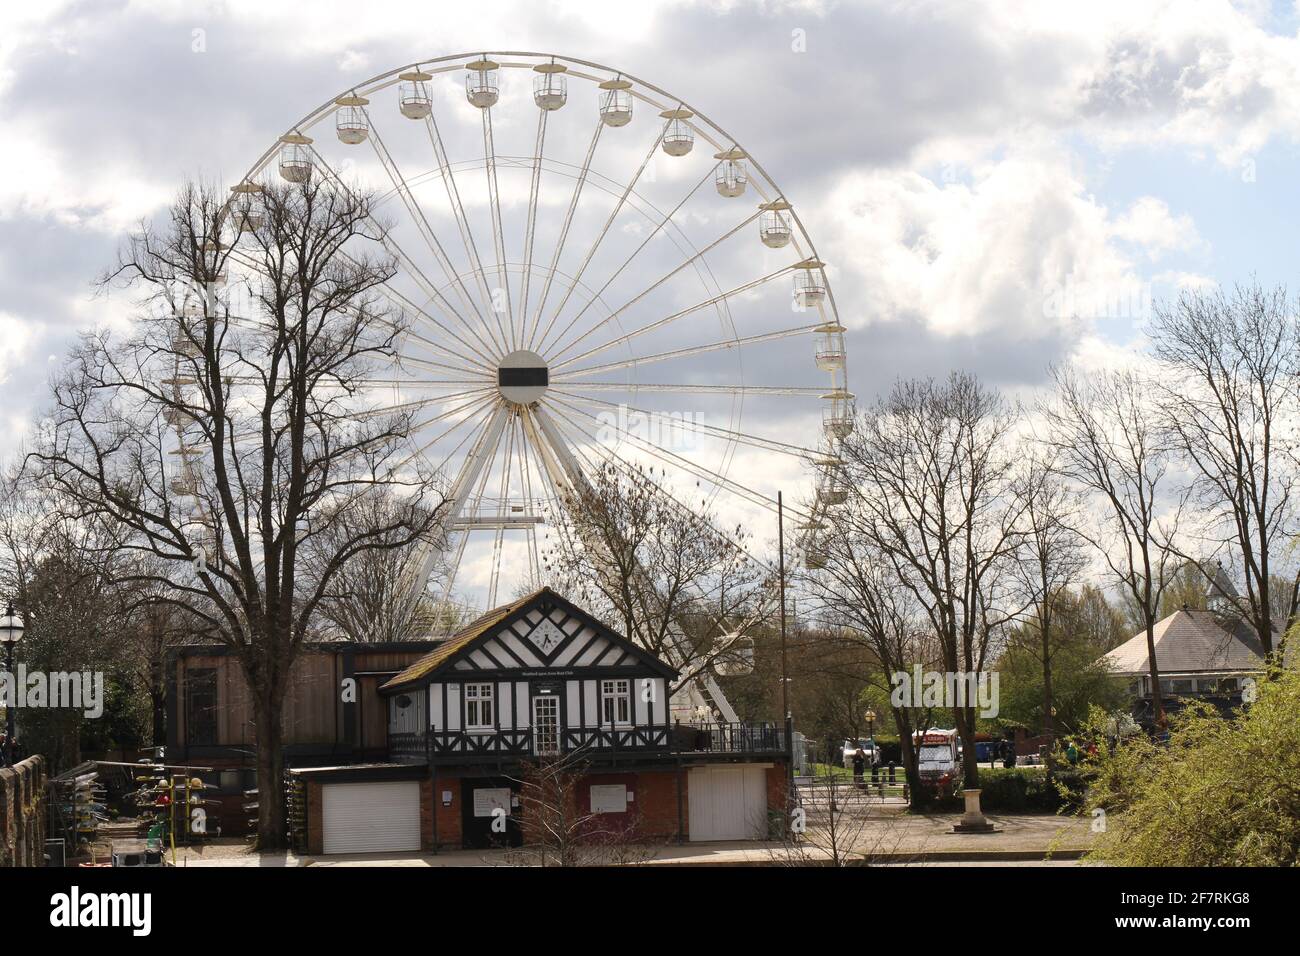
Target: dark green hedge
[(1019, 790)]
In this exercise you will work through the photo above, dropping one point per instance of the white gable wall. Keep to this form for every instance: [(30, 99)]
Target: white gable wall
[(510, 649)]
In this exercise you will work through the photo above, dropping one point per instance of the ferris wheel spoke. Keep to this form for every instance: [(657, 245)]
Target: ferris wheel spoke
[(686, 388), (530, 226), (564, 231), (406, 462), (419, 403), (720, 297), (457, 206), (526, 475), (417, 274), (600, 237), (755, 441), (422, 382), (467, 411), (668, 458), (483, 361), (477, 499), (498, 233), (415, 361), (634, 472), (503, 503), (407, 333), (415, 405), (417, 214), (552, 476), (686, 352), (561, 348)]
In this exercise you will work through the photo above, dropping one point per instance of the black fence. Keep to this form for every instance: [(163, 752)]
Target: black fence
[(737, 738), (408, 747), (684, 740)]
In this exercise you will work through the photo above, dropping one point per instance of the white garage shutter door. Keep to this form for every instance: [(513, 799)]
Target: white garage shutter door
[(371, 817), (727, 803)]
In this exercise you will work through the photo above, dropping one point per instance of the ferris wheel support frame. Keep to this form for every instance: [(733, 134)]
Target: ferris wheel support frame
[(424, 561), (560, 448)]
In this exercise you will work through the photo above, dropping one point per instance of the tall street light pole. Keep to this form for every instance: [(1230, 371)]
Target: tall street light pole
[(11, 632)]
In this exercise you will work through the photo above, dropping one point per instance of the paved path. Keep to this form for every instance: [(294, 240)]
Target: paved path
[(892, 837)]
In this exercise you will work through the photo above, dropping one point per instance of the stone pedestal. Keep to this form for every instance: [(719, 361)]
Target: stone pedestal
[(972, 821)]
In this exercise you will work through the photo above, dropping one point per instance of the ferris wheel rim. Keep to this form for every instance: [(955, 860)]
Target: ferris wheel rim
[(383, 80), (480, 267)]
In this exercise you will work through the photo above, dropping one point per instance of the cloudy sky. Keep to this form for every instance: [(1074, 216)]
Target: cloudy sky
[(995, 186)]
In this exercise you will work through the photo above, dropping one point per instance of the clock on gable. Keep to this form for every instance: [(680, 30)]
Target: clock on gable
[(546, 636)]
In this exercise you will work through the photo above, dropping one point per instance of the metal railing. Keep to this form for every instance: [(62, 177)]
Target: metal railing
[(729, 738), (404, 747), (679, 740)]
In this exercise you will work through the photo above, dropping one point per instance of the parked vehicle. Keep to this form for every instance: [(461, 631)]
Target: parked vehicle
[(939, 757)]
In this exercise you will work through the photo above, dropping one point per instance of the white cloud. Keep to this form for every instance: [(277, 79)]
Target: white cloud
[(949, 160), (1021, 251), (40, 178), (16, 337), (1149, 224)]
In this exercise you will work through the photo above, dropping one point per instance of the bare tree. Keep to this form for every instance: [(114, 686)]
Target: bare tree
[(858, 594), (930, 468), (1051, 561), (561, 829), (155, 624), (680, 587), (1104, 436), (834, 825), (59, 573), (263, 404), (1228, 391), (367, 597)]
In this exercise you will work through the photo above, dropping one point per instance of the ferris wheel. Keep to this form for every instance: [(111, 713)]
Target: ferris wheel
[(595, 275)]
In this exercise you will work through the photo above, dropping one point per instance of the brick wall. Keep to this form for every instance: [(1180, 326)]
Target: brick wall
[(22, 813), (652, 813), (449, 829), (426, 814), (655, 803), (652, 803), (777, 784)]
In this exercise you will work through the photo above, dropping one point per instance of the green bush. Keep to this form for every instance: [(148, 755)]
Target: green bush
[(1024, 790), (1221, 791)]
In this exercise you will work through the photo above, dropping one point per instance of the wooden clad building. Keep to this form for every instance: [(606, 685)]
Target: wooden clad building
[(433, 750)]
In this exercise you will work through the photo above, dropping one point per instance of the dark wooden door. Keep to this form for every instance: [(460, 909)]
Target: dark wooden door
[(481, 797)]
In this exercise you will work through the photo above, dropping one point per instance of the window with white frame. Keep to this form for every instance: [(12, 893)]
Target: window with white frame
[(616, 701), (479, 699)]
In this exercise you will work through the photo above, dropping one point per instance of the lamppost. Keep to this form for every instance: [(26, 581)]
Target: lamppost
[(11, 632), (870, 718)]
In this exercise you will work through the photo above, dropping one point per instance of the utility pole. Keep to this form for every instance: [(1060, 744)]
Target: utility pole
[(785, 677), (780, 546)]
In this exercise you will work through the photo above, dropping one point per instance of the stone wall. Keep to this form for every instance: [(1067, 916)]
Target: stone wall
[(23, 813)]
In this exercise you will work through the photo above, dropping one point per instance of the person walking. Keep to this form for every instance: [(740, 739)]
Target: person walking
[(859, 766)]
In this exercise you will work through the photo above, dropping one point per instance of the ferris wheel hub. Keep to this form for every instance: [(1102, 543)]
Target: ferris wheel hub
[(523, 377)]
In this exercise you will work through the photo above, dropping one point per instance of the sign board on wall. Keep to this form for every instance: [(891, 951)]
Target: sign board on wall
[(489, 799), (609, 798)]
